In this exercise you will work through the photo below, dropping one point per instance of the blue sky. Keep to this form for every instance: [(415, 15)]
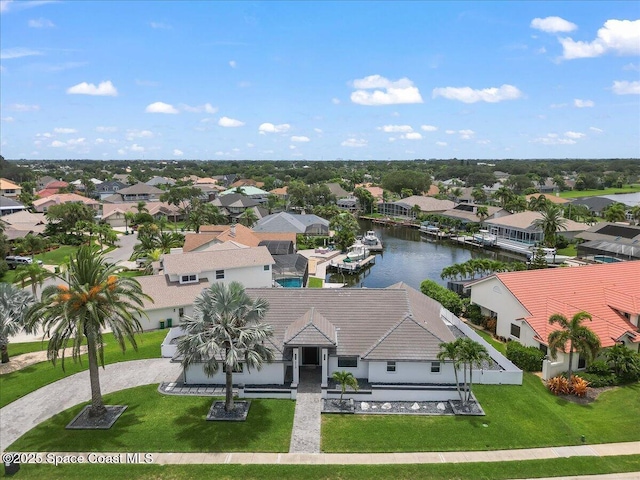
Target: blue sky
[(319, 80)]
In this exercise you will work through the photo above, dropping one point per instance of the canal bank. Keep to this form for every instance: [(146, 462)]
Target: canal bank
[(411, 257)]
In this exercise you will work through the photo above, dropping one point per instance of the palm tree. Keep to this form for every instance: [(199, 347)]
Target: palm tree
[(479, 195), (451, 351), (504, 194), (95, 299), (14, 302), (32, 243), (226, 330), (141, 207), (624, 361), (473, 354), (539, 203), (580, 338), (33, 273), (345, 379), (129, 218), (468, 354), (248, 218), (616, 212), (551, 223), (482, 213), (635, 214)]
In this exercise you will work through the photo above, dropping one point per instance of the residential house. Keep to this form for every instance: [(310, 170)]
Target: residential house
[(232, 205), (377, 192), (337, 190), (9, 189), (350, 204), (20, 224), (114, 213), (551, 198), (157, 181), (308, 224), (254, 193), (246, 182), (522, 303), (52, 188), (520, 227), (405, 206), (596, 205), (108, 188), (215, 234), (387, 338), (42, 182), (607, 242), (468, 213), (135, 193), (9, 206), (41, 205)]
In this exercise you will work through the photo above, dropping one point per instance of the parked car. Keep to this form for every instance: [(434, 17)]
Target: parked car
[(16, 261)]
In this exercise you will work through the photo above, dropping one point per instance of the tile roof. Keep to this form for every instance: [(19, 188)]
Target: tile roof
[(167, 294), (8, 185), (524, 221), (428, 204), (312, 328), (198, 262), (140, 188), (60, 198), (247, 190), (552, 198), (286, 222), (597, 289)]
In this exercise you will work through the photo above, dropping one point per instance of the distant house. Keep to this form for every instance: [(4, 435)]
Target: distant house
[(9, 189), (522, 303), (299, 224), (215, 234), (42, 182), (254, 193), (596, 205), (9, 206), (135, 193), (232, 205), (114, 213), (108, 188), (156, 181), (607, 242), (468, 213), (42, 205), (52, 188), (350, 204), (520, 227), (246, 182), (551, 198), (20, 224), (404, 207), (337, 190)]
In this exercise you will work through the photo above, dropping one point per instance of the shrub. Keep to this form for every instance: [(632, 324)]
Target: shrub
[(474, 314), (449, 300), (3, 267), (526, 358), (490, 324), (558, 385), (579, 386), (597, 381), (561, 241), (599, 367)]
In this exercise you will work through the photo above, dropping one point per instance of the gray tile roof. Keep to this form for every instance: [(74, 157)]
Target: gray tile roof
[(286, 222), (311, 329), (206, 261)]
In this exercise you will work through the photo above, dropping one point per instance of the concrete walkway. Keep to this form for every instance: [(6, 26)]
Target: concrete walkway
[(305, 435), (20, 416)]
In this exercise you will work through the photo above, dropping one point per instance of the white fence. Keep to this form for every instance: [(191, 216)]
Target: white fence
[(167, 348)]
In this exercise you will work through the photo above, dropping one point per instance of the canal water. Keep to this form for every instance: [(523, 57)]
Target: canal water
[(410, 257)]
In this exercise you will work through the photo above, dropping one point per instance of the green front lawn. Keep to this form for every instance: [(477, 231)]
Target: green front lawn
[(570, 251), (25, 347), (499, 346), (516, 417), (447, 471), (597, 193), (154, 422), (58, 256), (18, 384), (315, 282)]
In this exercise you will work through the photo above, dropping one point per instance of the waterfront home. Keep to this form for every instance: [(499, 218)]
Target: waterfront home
[(215, 234), (308, 224), (596, 205), (250, 191), (522, 303), (387, 338), (232, 205), (550, 197), (405, 207), (468, 213), (520, 227), (608, 242)]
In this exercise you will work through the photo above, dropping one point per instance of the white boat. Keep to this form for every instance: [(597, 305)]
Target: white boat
[(357, 251), (483, 237), (550, 255), (429, 228), (370, 238)]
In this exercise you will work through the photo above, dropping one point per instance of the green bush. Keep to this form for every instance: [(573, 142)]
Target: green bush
[(473, 313), (526, 358), (449, 300), (3, 267), (599, 367), (597, 381)]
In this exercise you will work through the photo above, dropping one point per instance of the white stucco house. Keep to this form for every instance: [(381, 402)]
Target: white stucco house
[(388, 338), (522, 303), (185, 275)]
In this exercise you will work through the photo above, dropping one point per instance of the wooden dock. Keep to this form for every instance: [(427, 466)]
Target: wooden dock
[(341, 266), (438, 235)]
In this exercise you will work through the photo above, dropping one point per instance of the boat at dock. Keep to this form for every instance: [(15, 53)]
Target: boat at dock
[(484, 238), (357, 251), (371, 241)]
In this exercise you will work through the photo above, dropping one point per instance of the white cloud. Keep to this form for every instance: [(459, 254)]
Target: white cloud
[(621, 37), (428, 128), (271, 128), (76, 141), (378, 90), (469, 95), (8, 119), (106, 129), (292, 147), (466, 134), (574, 135), (99, 141), (65, 130), (206, 108), (483, 142), (136, 148), (354, 142), (21, 107), (626, 88), (161, 107), (230, 122), (631, 67), (233, 64), (578, 103), (160, 25), (449, 132), (7, 5), (441, 144), (318, 131), (122, 151), (335, 101), (250, 145), (41, 23), (300, 139), (131, 134), (596, 129), (58, 144), (9, 53), (553, 25), (554, 139), (177, 153), (44, 135), (412, 136), (105, 89), (558, 105), (396, 128)]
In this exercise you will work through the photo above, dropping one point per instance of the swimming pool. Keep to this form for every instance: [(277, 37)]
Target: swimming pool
[(605, 259), (291, 282)]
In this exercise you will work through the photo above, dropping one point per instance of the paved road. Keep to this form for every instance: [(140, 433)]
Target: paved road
[(20, 416)]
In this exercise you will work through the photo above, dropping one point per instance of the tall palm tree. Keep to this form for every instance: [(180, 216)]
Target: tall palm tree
[(141, 207), (474, 355), (616, 212), (503, 194), (248, 218), (33, 273), (129, 218), (451, 351), (345, 379), (226, 330), (482, 213), (635, 214), (551, 223), (14, 303), (95, 299), (579, 337)]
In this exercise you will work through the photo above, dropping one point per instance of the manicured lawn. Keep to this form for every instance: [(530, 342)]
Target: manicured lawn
[(571, 250), (314, 282), (25, 347), (18, 384), (517, 417), (163, 423), (460, 471), (501, 347), (596, 193), (132, 273), (57, 256)]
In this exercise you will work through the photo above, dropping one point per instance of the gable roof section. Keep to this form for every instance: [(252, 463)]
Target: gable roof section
[(140, 189), (60, 198), (8, 185), (600, 290), (198, 262), (286, 222), (427, 204), (524, 221), (311, 329)]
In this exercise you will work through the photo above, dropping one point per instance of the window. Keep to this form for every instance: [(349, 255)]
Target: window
[(391, 367), (219, 274), (515, 330), (582, 362), (238, 369), (181, 312), (348, 362), (435, 367), (188, 278), (543, 349), (266, 268)]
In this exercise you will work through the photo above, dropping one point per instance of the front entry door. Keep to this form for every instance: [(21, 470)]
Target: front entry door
[(310, 356)]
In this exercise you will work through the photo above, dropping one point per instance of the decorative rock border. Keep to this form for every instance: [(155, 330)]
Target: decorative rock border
[(217, 413), (83, 421)]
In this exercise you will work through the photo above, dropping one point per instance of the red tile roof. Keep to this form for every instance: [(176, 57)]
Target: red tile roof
[(601, 290)]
